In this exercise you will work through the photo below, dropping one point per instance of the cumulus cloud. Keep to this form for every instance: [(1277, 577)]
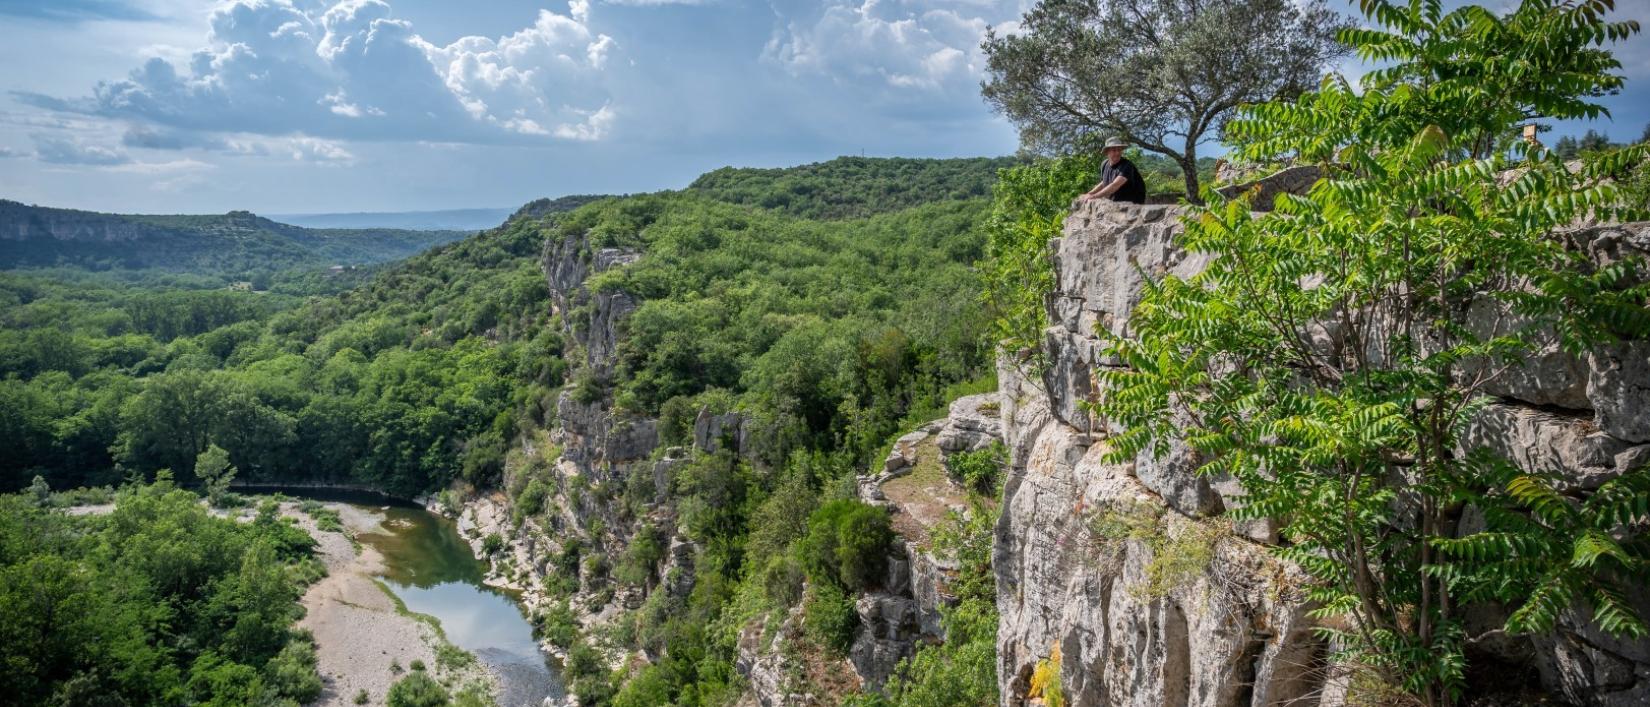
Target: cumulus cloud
[(916, 48), (352, 70)]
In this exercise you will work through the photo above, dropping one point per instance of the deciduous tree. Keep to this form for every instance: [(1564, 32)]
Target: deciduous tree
[(1353, 441), (1163, 74)]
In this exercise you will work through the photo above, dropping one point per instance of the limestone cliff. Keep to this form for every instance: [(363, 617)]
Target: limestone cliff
[(1130, 576)]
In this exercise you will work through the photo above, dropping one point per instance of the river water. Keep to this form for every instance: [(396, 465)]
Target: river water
[(430, 567), (432, 570)]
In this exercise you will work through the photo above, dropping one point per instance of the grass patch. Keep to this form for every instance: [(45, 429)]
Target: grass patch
[(325, 518), (1180, 552)]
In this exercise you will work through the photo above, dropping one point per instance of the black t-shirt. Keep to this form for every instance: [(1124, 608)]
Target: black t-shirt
[(1133, 190)]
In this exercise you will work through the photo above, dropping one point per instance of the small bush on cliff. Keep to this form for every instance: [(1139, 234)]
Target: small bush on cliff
[(980, 471), (491, 544), (1351, 444), (829, 618), (847, 543), (531, 499), (646, 549)]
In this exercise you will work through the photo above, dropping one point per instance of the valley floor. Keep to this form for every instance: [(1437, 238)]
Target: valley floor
[(359, 633)]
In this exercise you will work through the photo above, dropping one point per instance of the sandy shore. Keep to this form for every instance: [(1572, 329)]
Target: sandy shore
[(358, 633)]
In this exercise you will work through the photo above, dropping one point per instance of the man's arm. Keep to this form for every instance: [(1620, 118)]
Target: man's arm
[(1101, 191)]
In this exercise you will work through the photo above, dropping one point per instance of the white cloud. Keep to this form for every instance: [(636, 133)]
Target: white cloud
[(309, 149), (594, 126), (353, 71), (163, 167), (534, 77), (908, 46)]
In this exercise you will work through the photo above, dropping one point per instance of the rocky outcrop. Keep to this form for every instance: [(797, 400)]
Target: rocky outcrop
[(1263, 191), (918, 489), (1230, 628), (712, 432), (594, 319)]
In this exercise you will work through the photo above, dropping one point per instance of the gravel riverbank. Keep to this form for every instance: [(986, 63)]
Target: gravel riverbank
[(360, 636)]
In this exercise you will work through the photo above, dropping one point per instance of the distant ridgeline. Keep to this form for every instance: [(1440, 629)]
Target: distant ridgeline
[(233, 243), (853, 187)]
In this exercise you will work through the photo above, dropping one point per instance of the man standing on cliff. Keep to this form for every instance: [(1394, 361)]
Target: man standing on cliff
[(1119, 179)]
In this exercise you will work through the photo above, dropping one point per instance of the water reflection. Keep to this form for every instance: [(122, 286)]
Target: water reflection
[(431, 569)]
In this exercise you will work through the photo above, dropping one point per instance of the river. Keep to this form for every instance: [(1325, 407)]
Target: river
[(432, 570)]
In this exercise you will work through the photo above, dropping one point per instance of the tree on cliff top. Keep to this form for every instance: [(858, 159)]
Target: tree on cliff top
[(1326, 358), (1153, 70)]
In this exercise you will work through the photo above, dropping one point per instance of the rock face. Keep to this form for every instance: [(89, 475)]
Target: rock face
[(1229, 627), (1231, 631), (918, 491)]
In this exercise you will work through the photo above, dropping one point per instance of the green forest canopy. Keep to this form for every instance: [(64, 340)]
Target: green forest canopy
[(425, 373)]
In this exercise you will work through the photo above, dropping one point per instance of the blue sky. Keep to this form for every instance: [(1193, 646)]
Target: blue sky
[(350, 105)]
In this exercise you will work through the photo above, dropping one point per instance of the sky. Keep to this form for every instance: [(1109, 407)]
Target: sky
[(307, 106)]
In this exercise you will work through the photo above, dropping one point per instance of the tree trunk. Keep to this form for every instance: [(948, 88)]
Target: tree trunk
[(1188, 169)]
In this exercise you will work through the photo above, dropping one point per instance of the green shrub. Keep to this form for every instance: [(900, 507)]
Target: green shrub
[(587, 387), (558, 625), (491, 544), (649, 688), (292, 672), (588, 676), (829, 618), (980, 471), (361, 697), (417, 689), (782, 581), (646, 549), (450, 657), (531, 499), (416, 665), (847, 543)]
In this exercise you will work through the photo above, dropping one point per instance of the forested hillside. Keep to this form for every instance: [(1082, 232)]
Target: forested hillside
[(426, 373), (238, 245), (853, 186)]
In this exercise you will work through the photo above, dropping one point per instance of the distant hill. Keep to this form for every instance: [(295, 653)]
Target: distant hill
[(853, 187), (238, 242), (447, 220)]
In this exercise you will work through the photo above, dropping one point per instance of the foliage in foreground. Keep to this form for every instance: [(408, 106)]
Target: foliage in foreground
[(1352, 446)]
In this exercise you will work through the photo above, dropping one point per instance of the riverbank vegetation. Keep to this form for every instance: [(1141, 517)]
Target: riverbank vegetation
[(157, 602)]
